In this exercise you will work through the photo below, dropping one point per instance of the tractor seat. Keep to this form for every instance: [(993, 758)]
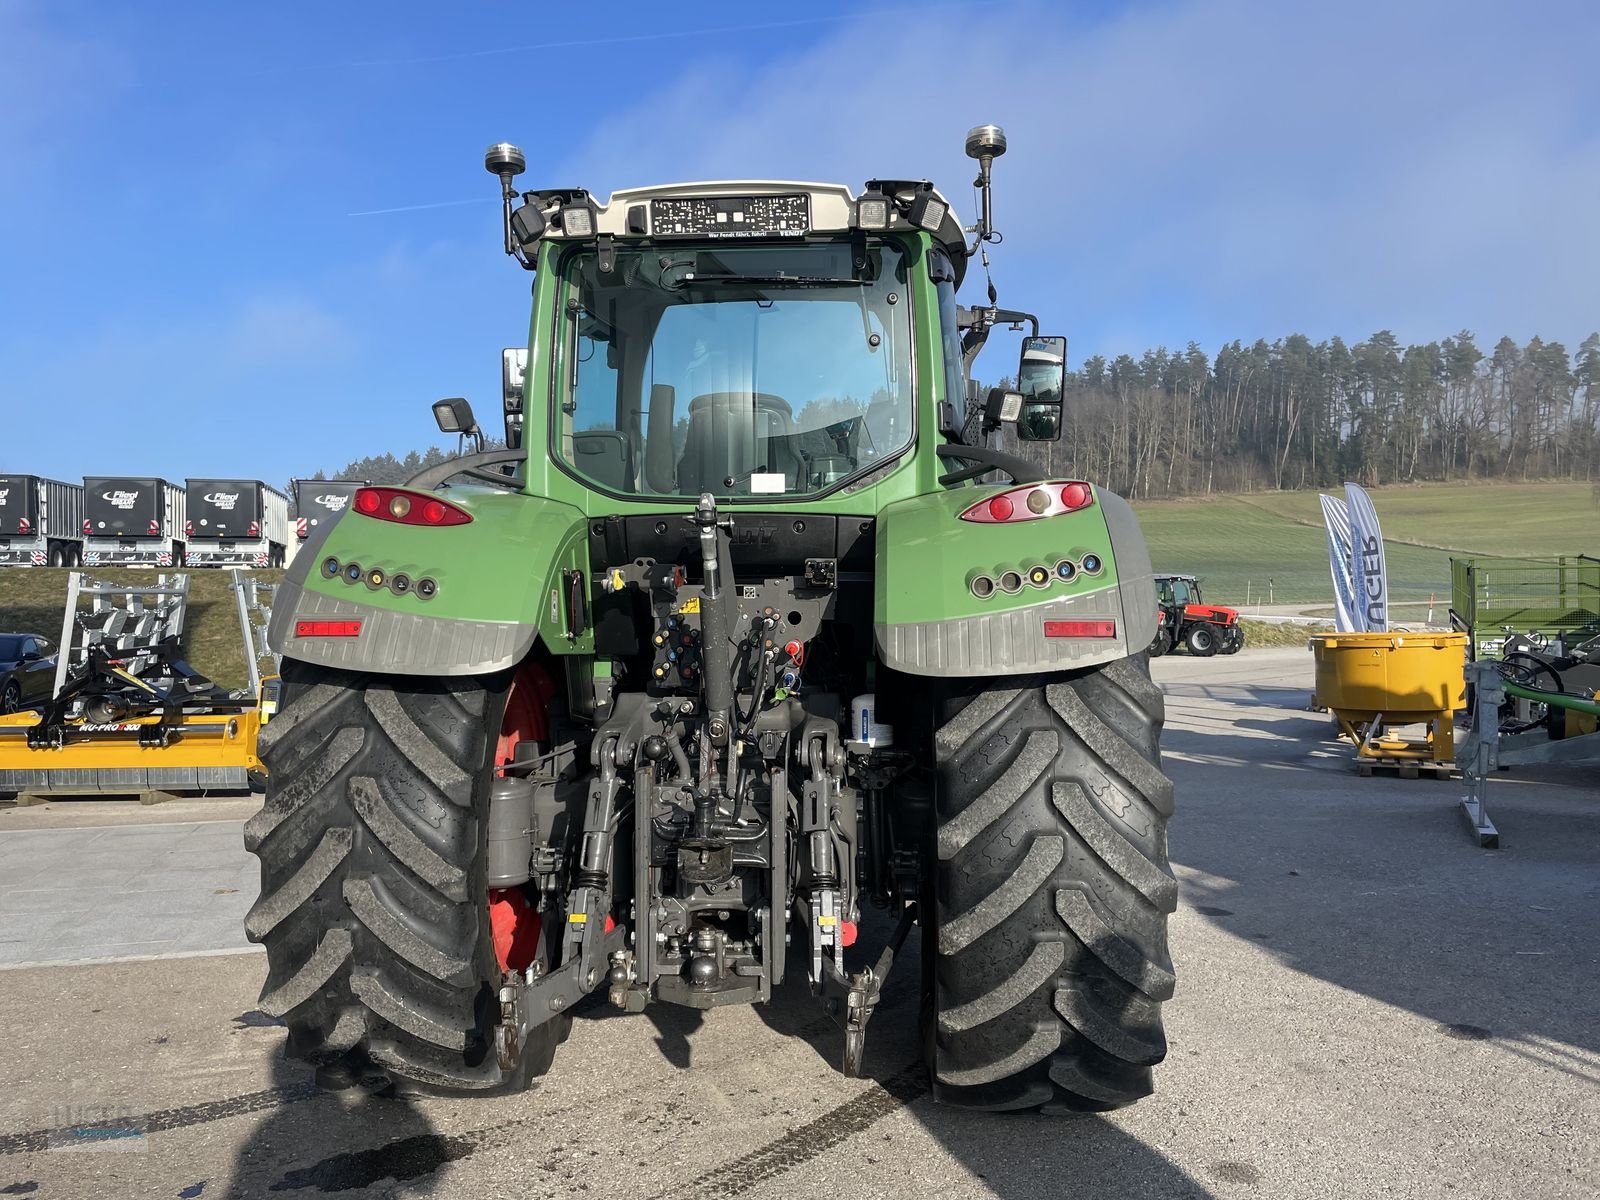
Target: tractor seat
[(735, 434)]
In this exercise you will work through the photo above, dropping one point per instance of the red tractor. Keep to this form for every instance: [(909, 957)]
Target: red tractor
[(1184, 618)]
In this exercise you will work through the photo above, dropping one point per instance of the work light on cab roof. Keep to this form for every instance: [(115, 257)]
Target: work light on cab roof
[(736, 210)]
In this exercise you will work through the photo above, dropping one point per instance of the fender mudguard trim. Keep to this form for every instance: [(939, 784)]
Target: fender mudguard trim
[(395, 643), (1008, 641)]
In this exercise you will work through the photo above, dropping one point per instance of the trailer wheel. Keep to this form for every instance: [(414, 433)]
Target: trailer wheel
[(58, 555), (1046, 952), (1201, 639), (374, 907)]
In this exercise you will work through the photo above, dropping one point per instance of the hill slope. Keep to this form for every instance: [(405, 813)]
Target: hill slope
[(1239, 542)]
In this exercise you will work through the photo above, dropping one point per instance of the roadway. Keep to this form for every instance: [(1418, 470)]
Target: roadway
[(1368, 1005)]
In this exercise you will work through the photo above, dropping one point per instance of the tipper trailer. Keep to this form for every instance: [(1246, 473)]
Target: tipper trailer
[(235, 523), (41, 522), (132, 522), (318, 503)]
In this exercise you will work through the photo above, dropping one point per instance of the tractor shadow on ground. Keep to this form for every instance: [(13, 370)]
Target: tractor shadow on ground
[(339, 1141), (1014, 1156)]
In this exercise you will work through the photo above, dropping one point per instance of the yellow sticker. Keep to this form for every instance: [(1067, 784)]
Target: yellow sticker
[(825, 922), (578, 918), (691, 605)]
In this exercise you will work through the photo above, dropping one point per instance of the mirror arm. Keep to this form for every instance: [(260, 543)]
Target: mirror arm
[(1012, 316), (471, 464), (985, 459)]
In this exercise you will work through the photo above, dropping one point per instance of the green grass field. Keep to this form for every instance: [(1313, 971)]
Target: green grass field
[(1232, 542), (32, 600)]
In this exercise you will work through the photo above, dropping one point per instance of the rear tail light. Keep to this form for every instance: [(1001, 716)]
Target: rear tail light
[(1030, 502), (255, 529), (188, 529), (307, 629), (22, 525), (408, 508), (155, 528), (1080, 629), (87, 528)]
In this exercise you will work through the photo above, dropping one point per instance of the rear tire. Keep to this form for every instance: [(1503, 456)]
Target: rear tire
[(1201, 640), (374, 905), (1048, 937), (1232, 640), (58, 556)]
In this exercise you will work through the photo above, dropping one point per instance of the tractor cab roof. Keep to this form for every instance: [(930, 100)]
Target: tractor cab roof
[(1185, 578), (752, 210)]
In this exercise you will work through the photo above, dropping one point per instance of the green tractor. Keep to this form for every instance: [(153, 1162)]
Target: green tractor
[(748, 631)]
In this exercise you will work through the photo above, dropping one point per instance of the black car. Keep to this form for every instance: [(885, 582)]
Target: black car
[(27, 670)]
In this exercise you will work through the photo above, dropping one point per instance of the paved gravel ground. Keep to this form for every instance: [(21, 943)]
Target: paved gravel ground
[(1368, 1006)]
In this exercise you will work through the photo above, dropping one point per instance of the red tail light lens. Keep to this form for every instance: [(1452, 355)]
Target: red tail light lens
[(1077, 495), (1031, 501), (327, 629), (188, 529), (408, 508), (87, 528), (22, 525), (1080, 629), (255, 530), (155, 528)]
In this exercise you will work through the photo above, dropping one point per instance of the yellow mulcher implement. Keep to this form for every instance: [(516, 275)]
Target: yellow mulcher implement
[(139, 722)]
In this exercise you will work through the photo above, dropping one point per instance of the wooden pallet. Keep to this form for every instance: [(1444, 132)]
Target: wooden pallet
[(1405, 768)]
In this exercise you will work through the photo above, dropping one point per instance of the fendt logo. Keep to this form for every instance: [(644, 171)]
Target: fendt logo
[(223, 500), (333, 503), (122, 500)]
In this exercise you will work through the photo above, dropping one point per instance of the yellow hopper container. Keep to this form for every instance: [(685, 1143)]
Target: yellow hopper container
[(1374, 680)]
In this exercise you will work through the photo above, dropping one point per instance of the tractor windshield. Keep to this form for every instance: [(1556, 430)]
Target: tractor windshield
[(735, 370)]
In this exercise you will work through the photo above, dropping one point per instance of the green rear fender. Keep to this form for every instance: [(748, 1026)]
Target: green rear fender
[(931, 619), (500, 580)]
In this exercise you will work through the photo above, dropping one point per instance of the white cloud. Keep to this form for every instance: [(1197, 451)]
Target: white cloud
[(1208, 169)]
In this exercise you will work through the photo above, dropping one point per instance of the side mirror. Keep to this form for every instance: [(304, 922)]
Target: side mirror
[(513, 373), (1041, 378)]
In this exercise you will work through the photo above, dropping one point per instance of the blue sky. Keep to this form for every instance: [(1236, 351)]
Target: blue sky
[(185, 291)]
